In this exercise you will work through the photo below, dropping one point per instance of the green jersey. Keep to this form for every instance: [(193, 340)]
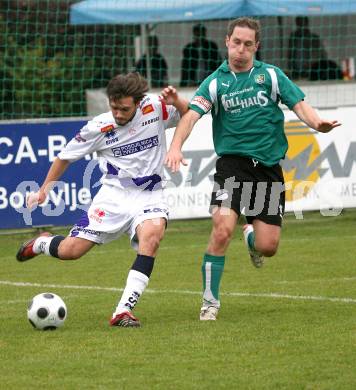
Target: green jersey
[(247, 119)]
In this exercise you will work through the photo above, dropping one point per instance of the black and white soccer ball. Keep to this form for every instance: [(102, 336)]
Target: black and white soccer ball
[(47, 311)]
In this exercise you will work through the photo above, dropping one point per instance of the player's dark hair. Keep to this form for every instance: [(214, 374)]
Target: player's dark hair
[(253, 24), (125, 85)]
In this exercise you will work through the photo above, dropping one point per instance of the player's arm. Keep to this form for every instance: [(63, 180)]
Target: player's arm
[(185, 126), (309, 116), (85, 142), (55, 172)]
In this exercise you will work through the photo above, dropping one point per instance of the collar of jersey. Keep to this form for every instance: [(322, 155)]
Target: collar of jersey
[(225, 66)]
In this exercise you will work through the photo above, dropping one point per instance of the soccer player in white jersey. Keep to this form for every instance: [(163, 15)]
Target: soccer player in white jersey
[(131, 146), (243, 95)]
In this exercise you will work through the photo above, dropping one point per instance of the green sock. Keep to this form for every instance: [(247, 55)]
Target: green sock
[(251, 240), (212, 270)]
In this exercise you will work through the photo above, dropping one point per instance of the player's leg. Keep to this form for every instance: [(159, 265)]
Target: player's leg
[(89, 230), (262, 239), (266, 237), (224, 222), (149, 234), (146, 228), (262, 233), (225, 209), (65, 248)]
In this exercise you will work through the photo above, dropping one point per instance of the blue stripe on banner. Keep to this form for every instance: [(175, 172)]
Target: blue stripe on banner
[(27, 149)]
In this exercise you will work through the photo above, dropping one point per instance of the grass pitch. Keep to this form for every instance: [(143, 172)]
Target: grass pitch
[(289, 325)]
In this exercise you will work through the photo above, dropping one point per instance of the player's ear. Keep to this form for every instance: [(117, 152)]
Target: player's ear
[(227, 40)]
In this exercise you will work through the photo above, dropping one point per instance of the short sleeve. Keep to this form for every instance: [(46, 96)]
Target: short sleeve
[(170, 115), (84, 142), (205, 96), (289, 92)]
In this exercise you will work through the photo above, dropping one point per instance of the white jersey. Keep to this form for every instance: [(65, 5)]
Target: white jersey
[(131, 155)]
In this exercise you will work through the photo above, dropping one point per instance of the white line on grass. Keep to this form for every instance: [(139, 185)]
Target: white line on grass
[(13, 301), (186, 292), (345, 279)]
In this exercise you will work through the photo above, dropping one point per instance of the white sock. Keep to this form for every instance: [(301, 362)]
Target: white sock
[(135, 285), (41, 245)]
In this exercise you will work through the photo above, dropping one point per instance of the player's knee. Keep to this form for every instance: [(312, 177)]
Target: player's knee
[(222, 235), (268, 247), (151, 243), (269, 252)]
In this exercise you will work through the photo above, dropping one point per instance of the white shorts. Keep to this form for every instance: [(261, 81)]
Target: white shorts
[(115, 211)]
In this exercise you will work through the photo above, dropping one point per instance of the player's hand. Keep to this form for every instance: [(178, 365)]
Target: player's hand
[(326, 126), (169, 95), (173, 160), (35, 198)]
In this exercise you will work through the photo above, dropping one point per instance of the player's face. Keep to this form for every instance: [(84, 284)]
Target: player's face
[(123, 110), (241, 48)]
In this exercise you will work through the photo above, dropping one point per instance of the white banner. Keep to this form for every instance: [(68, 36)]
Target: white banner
[(319, 169)]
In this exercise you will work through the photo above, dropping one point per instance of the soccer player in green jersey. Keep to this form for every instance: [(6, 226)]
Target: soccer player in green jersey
[(243, 96)]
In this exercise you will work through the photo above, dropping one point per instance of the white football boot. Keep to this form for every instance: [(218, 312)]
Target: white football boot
[(208, 313)]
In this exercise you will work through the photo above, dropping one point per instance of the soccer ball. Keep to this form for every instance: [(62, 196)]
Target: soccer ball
[(47, 311)]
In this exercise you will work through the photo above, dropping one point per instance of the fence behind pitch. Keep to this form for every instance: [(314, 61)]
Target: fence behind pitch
[(47, 64)]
